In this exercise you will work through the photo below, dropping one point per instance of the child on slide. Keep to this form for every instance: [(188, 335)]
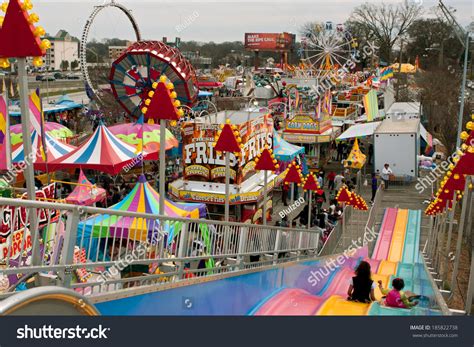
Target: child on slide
[(361, 288), (395, 297)]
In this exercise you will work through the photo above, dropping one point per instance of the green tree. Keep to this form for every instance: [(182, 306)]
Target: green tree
[(64, 65), (433, 42), (74, 65)]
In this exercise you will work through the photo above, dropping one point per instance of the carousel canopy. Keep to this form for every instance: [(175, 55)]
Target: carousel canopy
[(85, 193), (285, 151), (53, 129), (103, 152), (143, 199), (128, 133), (54, 149)]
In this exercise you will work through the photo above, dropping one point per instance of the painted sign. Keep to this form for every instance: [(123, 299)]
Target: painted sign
[(202, 162), (15, 218), (306, 124)]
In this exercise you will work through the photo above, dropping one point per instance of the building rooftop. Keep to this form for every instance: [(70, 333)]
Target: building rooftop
[(405, 126)]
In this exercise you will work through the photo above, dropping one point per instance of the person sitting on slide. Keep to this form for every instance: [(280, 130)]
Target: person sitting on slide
[(362, 287), (395, 297)]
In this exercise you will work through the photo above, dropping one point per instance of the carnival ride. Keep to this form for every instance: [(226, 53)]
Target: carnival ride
[(91, 89), (143, 63), (327, 48)]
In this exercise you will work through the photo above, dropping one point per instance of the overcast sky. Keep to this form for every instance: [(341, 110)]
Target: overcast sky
[(219, 20)]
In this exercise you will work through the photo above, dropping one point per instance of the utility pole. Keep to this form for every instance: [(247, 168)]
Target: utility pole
[(464, 38), (399, 78)]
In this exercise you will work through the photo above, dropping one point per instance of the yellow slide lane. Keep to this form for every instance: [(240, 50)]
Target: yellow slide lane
[(398, 238), (337, 305), (385, 283), (387, 268)]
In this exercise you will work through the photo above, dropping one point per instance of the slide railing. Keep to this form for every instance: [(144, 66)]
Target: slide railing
[(93, 250)]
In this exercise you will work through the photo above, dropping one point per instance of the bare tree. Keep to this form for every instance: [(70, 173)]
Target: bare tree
[(383, 23), (440, 99)]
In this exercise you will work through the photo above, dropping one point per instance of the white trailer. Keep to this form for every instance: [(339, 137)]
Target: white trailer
[(397, 143)]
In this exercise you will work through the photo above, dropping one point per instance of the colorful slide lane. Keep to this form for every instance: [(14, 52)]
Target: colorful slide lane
[(303, 288), (382, 246), (395, 253)]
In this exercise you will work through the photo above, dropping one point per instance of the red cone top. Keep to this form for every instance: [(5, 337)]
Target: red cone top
[(17, 39), (455, 184), (311, 183), (161, 105), (343, 195), (227, 141), (465, 164), (293, 175), (265, 161)]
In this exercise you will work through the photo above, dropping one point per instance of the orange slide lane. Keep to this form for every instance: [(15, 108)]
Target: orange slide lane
[(398, 238)]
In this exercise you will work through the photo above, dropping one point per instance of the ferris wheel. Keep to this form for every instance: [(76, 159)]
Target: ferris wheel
[(327, 47)]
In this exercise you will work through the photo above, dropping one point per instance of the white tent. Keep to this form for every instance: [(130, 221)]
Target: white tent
[(359, 130)]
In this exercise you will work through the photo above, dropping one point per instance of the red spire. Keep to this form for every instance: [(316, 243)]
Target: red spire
[(17, 37), (311, 183), (293, 175), (266, 161), (465, 164), (343, 195), (227, 141), (161, 105)]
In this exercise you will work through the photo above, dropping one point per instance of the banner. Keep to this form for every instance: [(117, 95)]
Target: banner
[(371, 105), (5, 149), (201, 162)]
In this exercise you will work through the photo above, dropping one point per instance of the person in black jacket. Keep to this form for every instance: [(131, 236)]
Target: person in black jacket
[(362, 286)]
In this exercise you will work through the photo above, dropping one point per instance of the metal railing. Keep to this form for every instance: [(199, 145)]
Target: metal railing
[(94, 250), (372, 218)]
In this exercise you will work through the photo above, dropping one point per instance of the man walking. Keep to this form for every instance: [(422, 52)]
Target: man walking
[(386, 173)]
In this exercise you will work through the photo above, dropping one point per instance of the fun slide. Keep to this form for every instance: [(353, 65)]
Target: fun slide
[(383, 242)]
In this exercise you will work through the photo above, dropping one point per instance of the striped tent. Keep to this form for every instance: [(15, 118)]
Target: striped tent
[(55, 149), (285, 151), (103, 152), (142, 199)]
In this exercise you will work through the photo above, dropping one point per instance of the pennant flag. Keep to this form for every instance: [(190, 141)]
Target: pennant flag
[(140, 136), (371, 105), (5, 150), (37, 119), (386, 73)]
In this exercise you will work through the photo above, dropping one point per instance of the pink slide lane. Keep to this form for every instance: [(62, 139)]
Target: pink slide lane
[(383, 243), (291, 302), (299, 302)]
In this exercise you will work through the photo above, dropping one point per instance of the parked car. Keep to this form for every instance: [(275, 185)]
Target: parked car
[(72, 76), (39, 77), (58, 75), (48, 78)]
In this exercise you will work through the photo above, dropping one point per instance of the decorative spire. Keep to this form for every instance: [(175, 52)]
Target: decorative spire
[(19, 38), (228, 139), (266, 160), (310, 183), (161, 102), (293, 174)]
